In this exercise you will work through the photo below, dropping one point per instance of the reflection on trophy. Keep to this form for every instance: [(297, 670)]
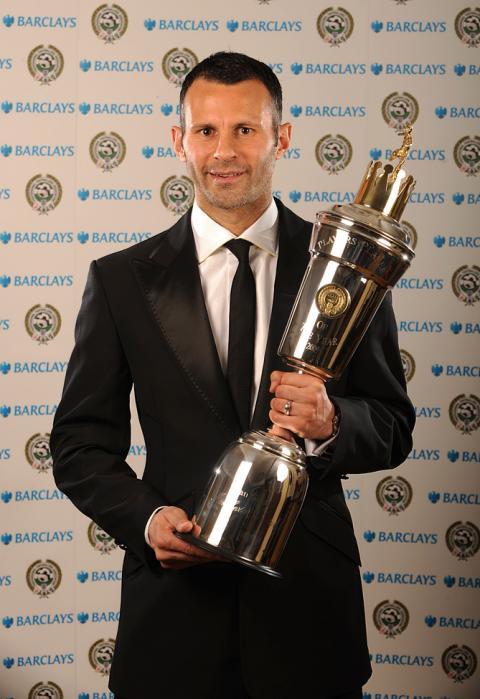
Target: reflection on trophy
[(358, 252)]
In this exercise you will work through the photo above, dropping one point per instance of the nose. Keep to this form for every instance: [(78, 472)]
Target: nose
[(224, 147)]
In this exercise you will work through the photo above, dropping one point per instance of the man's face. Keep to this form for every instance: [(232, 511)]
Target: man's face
[(229, 143)]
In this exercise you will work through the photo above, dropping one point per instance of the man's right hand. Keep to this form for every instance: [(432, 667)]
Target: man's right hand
[(170, 551)]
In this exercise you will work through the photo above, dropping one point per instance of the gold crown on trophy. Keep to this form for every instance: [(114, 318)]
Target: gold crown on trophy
[(386, 187)]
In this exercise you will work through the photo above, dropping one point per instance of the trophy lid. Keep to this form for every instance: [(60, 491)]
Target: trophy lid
[(386, 187)]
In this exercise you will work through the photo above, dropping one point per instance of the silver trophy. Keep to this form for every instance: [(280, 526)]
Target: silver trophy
[(358, 252)]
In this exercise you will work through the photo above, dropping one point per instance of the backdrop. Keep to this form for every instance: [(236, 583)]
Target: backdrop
[(88, 95)]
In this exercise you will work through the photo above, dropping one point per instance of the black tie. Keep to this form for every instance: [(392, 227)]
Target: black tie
[(241, 332)]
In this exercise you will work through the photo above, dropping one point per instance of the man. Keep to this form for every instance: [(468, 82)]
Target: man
[(157, 315)]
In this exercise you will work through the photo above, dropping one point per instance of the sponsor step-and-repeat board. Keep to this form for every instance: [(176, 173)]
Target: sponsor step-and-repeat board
[(88, 94)]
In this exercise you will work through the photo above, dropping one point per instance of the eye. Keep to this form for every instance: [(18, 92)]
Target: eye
[(206, 131), (245, 130)]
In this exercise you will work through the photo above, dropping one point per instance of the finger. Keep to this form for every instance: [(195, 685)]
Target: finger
[(292, 408), (280, 432), (288, 422), (293, 378)]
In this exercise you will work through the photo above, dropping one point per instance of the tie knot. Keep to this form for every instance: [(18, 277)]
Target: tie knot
[(240, 249)]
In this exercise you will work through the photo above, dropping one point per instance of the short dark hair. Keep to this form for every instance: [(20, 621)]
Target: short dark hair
[(230, 68)]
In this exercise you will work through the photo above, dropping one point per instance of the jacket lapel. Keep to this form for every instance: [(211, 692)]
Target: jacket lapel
[(293, 258), (170, 280)]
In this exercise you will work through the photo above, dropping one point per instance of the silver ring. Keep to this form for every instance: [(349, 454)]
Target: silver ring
[(287, 407)]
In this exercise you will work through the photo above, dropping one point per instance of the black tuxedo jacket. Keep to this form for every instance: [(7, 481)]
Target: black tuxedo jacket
[(143, 321)]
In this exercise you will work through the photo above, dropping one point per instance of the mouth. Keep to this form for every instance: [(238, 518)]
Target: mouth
[(226, 177)]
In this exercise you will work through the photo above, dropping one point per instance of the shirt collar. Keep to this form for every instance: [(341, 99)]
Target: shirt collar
[(210, 235)]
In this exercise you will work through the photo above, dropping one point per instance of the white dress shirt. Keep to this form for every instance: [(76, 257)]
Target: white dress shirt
[(217, 267)]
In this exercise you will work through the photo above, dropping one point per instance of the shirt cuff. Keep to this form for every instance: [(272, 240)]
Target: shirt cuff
[(314, 448), (148, 523)]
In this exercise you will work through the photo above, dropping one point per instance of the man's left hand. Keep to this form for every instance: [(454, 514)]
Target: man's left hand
[(301, 405)]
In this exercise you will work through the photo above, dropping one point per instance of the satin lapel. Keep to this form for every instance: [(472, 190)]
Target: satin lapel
[(293, 257), (170, 280)]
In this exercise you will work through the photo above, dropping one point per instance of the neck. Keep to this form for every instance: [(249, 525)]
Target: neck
[(235, 220)]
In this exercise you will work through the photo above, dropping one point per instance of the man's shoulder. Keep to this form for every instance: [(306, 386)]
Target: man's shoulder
[(292, 222)]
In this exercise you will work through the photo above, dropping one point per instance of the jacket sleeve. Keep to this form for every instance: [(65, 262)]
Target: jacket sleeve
[(377, 417), (91, 432)]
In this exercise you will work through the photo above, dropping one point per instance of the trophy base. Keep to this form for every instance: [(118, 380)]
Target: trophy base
[(236, 558)]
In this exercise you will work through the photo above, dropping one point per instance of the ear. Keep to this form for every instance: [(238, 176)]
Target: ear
[(284, 137), (177, 139)]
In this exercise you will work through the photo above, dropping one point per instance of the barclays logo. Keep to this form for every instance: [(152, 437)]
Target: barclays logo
[(454, 498), (322, 197), (43, 280), (470, 198), (5, 580), (5, 323), (325, 110), (137, 450), (450, 622), (115, 194), (5, 193), (35, 495), (113, 237), (96, 695), (415, 69), (454, 455), (406, 27), (36, 237), (400, 578), (470, 371), (5, 453), (38, 107), (41, 151), (93, 576), (42, 660), (418, 326), (351, 494), (398, 537), (427, 198), (421, 154), (158, 152), (425, 454), (35, 410), (183, 25), (464, 582), (38, 620), (329, 68), (457, 328), (402, 660), (457, 241), (40, 22), (116, 108), (6, 63), (234, 25), (418, 283), (117, 66), (459, 112), (461, 69), (42, 537), (97, 617)]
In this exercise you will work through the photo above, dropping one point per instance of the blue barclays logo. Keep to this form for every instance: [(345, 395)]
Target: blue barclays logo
[(450, 622), (467, 328), (261, 25), (38, 537), (402, 660), (468, 370), (113, 237), (5, 281), (5, 580), (459, 198), (425, 454), (36, 410), (29, 661), (5, 323), (39, 495), (406, 27), (38, 107), (40, 22), (99, 617), (461, 69), (166, 109), (322, 197), (94, 576), (351, 493), (427, 198), (325, 110), (36, 237), (413, 69), (115, 194), (42, 280), (382, 577), (5, 453), (158, 152), (396, 695), (420, 326), (329, 68), (458, 112), (401, 537), (454, 498), (182, 25), (96, 695), (116, 108), (416, 154), (117, 66), (30, 620), (457, 241), (5, 193), (6, 496), (5, 368), (454, 455), (6, 63), (463, 582), (137, 450), (417, 283)]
